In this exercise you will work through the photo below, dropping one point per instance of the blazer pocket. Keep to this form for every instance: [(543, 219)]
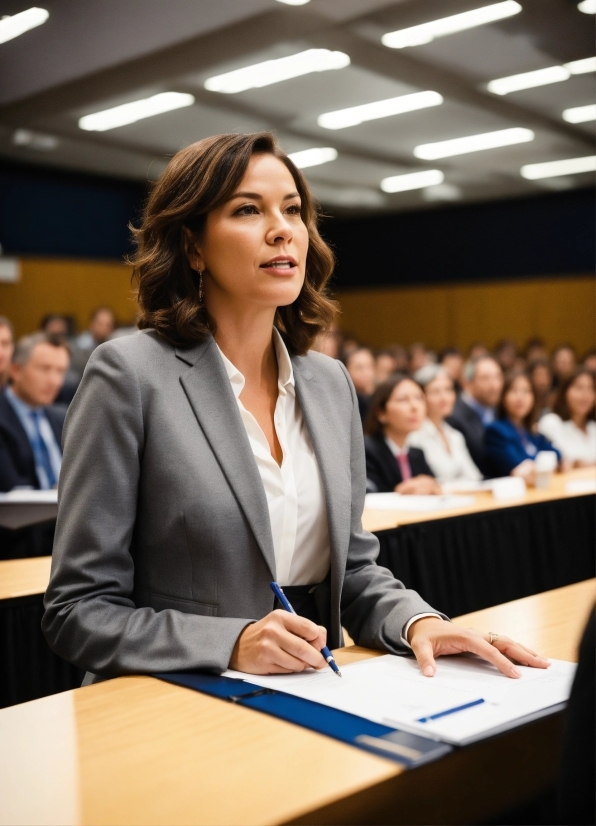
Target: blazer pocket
[(159, 602)]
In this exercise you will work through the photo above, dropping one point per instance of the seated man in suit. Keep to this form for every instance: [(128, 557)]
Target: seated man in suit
[(6, 349), (475, 408), (397, 408), (30, 424)]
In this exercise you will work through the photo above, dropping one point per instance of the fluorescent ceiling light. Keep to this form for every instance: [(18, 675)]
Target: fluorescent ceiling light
[(582, 67), (527, 80), (274, 71), (473, 143), (441, 192), (580, 114), (313, 157), (34, 140), (20, 23), (412, 180), (137, 110), (551, 169), (587, 6), (379, 109), (294, 2), (426, 32)]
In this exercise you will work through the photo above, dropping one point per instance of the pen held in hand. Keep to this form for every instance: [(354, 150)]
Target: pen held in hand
[(287, 607)]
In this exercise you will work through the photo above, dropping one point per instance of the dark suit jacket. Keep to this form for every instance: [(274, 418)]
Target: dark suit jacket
[(505, 450), (382, 468), (469, 423), (17, 463)]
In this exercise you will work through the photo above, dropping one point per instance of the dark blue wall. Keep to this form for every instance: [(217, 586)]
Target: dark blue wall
[(549, 234), (56, 213)]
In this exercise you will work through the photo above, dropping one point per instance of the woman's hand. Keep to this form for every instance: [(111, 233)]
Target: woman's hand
[(419, 485), (526, 470), (432, 637), (280, 643)]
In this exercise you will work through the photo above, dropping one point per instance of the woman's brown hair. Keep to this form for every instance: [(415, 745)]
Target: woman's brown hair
[(378, 402), (530, 420), (561, 407), (197, 180)]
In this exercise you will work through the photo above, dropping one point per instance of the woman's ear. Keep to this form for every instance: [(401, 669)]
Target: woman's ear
[(192, 251)]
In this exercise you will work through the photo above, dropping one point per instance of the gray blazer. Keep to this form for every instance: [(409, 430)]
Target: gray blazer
[(163, 550)]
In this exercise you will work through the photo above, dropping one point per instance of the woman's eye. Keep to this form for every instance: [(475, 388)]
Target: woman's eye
[(294, 209), (248, 209)]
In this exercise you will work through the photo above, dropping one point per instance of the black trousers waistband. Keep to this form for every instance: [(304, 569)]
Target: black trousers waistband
[(310, 601)]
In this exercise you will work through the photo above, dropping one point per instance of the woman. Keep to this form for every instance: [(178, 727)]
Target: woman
[(360, 364), (210, 453), (511, 441), (541, 378), (571, 427), (444, 447), (397, 409)]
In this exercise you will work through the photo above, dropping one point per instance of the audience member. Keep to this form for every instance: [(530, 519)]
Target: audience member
[(385, 365), (477, 351), (541, 377), (101, 327), (571, 426), (453, 361), (563, 363), (511, 441), (360, 364), (506, 354), (589, 360), (6, 349), (401, 358), (444, 447), (30, 424), (56, 326), (475, 408), (328, 343), (535, 350), (418, 356), (397, 408), (349, 344)]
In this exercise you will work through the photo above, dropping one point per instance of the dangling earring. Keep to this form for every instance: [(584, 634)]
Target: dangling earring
[(201, 295)]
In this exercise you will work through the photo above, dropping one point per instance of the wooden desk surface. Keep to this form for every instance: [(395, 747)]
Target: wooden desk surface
[(137, 750), (382, 520), (24, 577)]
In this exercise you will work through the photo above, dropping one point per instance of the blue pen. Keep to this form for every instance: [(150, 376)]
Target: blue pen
[(287, 607), (449, 711)]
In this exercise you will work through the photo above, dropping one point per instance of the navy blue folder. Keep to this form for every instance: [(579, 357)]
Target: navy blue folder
[(409, 749)]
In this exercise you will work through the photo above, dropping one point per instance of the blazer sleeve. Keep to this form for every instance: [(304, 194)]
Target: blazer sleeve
[(376, 478), (418, 463), (90, 616), (502, 451), (375, 606)]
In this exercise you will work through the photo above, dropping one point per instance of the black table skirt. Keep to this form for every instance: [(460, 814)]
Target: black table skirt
[(470, 562), (28, 668), (32, 540)]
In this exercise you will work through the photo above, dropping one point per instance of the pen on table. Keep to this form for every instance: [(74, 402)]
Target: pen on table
[(447, 711), (287, 607)]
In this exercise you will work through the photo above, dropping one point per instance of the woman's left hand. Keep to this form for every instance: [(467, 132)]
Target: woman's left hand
[(431, 637)]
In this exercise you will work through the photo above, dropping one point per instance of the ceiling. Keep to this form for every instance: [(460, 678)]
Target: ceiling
[(97, 54)]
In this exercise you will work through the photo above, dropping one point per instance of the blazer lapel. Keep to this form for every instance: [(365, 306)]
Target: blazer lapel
[(333, 460), (209, 392)]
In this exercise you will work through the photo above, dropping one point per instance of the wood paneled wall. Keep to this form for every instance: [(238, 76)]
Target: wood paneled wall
[(557, 309)]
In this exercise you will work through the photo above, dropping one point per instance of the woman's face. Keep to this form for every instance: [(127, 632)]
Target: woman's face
[(440, 397), (253, 248), (581, 396), (361, 367), (405, 409), (542, 379), (519, 399)]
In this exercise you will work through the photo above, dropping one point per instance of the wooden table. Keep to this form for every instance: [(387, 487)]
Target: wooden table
[(24, 577), (384, 520), (137, 750)]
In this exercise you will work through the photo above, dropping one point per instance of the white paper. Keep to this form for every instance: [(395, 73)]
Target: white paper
[(392, 691), (25, 496), (402, 502), (581, 486)]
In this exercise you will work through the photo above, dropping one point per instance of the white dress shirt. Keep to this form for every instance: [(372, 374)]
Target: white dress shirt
[(573, 443), (455, 463), (294, 491)]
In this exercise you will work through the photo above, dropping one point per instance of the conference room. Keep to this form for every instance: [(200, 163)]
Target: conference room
[(297, 412)]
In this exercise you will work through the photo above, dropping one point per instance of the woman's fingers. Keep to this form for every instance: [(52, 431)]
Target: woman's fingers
[(520, 653), (423, 650)]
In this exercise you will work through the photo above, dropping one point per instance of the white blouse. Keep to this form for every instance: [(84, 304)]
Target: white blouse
[(294, 491), (574, 444), (447, 465)]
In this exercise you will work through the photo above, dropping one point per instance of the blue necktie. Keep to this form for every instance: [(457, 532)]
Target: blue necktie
[(40, 450)]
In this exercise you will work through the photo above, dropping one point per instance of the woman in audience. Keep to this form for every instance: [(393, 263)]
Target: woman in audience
[(563, 364), (541, 377), (211, 452), (444, 447), (571, 426), (512, 441), (397, 409), (360, 364)]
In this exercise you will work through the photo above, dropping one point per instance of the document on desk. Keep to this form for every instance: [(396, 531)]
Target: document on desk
[(417, 504), (468, 699)]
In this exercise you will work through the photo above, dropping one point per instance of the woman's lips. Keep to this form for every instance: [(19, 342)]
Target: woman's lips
[(284, 268)]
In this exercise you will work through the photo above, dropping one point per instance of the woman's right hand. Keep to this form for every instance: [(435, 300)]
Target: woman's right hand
[(280, 643)]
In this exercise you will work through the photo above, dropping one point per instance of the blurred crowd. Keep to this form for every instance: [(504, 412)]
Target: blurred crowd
[(431, 421), (443, 421)]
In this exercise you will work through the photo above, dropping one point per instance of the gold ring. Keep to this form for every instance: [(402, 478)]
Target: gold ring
[(492, 637)]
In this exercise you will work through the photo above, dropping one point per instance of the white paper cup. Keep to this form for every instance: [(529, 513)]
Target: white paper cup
[(509, 487), (545, 463)]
